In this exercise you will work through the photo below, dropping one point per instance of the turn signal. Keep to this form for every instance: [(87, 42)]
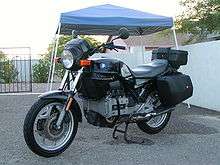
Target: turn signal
[(57, 60), (85, 63)]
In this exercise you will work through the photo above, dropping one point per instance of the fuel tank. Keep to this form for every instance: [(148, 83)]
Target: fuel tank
[(105, 69)]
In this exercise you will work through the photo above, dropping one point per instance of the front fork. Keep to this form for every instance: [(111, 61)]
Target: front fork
[(69, 102)]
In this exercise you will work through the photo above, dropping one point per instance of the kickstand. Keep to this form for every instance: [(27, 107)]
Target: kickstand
[(125, 134)]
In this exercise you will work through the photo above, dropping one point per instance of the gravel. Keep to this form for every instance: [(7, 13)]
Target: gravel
[(191, 137)]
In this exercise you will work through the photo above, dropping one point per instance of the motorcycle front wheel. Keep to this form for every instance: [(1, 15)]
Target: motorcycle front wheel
[(40, 133)]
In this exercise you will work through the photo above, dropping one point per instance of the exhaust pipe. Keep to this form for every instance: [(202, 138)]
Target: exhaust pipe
[(152, 114)]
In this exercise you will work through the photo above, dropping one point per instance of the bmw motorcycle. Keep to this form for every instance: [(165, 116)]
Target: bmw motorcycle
[(110, 94)]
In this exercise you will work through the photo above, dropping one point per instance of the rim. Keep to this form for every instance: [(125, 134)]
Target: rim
[(157, 121), (46, 136)]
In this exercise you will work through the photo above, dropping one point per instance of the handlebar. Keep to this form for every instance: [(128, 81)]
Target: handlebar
[(109, 45), (119, 47)]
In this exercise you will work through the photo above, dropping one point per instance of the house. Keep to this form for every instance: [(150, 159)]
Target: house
[(152, 41), (161, 39)]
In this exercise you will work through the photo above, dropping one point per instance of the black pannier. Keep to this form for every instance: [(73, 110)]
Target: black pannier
[(174, 89), (176, 58)]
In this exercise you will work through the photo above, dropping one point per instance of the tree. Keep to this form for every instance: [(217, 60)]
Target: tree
[(41, 70), (8, 71), (2, 56), (200, 18)]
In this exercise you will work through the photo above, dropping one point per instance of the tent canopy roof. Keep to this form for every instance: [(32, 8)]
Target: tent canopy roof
[(108, 19)]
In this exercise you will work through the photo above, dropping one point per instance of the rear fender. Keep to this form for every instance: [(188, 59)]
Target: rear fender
[(63, 96)]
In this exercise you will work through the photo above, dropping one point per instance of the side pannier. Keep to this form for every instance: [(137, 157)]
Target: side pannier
[(173, 89)]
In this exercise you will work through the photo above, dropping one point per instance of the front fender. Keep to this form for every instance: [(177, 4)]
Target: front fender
[(63, 96), (56, 94)]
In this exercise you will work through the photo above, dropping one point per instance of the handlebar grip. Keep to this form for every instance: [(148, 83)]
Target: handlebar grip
[(119, 47)]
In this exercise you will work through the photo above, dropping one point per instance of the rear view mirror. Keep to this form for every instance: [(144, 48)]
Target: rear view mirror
[(74, 34), (123, 33)]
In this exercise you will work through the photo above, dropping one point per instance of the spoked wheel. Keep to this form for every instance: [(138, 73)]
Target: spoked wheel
[(40, 133), (155, 124)]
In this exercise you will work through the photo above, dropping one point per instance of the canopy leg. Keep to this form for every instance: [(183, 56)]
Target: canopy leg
[(175, 38), (51, 63), (142, 49), (55, 55)]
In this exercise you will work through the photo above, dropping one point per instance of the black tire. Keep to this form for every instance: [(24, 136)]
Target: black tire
[(153, 130), (29, 135)]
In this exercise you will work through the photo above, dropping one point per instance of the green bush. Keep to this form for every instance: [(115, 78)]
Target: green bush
[(42, 68), (8, 71), (41, 71)]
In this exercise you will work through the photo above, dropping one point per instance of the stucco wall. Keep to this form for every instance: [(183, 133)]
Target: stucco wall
[(204, 68)]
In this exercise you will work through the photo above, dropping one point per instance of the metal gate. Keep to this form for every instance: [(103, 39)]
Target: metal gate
[(15, 70)]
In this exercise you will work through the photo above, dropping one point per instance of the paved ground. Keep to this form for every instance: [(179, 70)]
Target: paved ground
[(192, 137)]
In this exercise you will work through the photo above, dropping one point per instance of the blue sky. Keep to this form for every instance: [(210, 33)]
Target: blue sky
[(33, 22)]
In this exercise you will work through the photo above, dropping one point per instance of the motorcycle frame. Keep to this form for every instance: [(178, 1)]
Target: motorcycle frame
[(66, 80)]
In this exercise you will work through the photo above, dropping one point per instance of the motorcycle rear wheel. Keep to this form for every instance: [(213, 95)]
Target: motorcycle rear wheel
[(46, 128), (154, 126)]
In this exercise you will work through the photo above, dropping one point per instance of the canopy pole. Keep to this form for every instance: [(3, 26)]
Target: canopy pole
[(55, 55), (175, 38), (51, 62), (142, 49)]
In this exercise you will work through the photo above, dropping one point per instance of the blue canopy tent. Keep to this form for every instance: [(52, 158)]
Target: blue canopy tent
[(107, 20)]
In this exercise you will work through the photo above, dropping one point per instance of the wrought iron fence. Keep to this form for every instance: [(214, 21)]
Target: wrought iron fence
[(15, 70)]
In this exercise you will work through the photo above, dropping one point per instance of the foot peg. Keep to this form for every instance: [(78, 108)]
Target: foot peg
[(125, 134)]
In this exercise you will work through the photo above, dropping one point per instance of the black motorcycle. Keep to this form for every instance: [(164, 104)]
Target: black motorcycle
[(110, 93)]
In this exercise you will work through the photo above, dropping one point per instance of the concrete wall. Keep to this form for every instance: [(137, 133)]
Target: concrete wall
[(203, 67)]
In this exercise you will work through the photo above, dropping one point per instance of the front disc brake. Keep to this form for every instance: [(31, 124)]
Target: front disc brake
[(50, 131)]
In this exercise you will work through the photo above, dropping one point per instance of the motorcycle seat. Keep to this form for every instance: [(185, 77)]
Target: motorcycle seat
[(150, 70)]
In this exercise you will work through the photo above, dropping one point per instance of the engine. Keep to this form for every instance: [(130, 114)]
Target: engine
[(97, 112), (103, 88), (106, 111)]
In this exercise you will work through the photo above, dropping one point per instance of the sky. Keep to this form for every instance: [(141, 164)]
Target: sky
[(33, 23)]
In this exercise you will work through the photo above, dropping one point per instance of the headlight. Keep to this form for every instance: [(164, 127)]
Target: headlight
[(67, 59)]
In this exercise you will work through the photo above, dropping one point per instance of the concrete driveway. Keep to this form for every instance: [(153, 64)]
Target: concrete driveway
[(191, 137)]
